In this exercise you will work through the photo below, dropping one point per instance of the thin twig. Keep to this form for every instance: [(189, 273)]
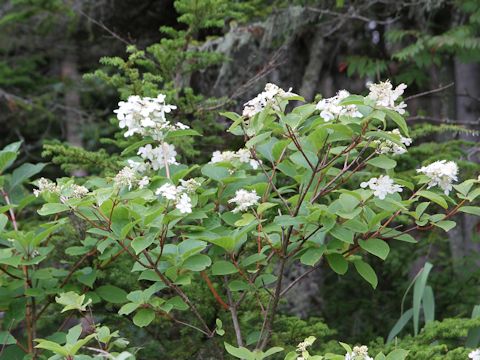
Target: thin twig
[(441, 88)]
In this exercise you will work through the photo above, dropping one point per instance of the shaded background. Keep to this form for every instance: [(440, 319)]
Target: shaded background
[(316, 47)]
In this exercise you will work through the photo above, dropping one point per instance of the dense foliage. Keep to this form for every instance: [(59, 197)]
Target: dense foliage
[(309, 224)]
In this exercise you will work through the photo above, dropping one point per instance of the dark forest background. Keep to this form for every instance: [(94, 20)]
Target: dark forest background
[(64, 65)]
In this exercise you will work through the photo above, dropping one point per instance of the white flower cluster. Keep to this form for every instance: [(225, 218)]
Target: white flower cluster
[(129, 177), (441, 173), (146, 116), (44, 186), (242, 155), (474, 355), (382, 186), (387, 146), (179, 194), (385, 95), (330, 108), (302, 348), (158, 157), (244, 199), (269, 97), (65, 191), (358, 353)]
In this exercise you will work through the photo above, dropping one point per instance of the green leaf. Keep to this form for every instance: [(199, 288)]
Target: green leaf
[(271, 351), (473, 337), (446, 225), (143, 317), (223, 267), (356, 225), (78, 345), (474, 210), (433, 197), (367, 272), (265, 206), (338, 263), (24, 172), (72, 301), (226, 242), (134, 146), (464, 187), (474, 194), (428, 304), (215, 172), (382, 162), (317, 138), (246, 219), (51, 346), (347, 347), (418, 290), (237, 285), (257, 139), (312, 255), (128, 308), (87, 276), (103, 194), (397, 119), (239, 353), (407, 238), (140, 243), (112, 294), (52, 208), (343, 234), (400, 324), (3, 221), (6, 159), (397, 354), (74, 334), (376, 247), (198, 262), (6, 338)]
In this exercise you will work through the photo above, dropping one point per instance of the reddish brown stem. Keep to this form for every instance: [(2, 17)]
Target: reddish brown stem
[(213, 291)]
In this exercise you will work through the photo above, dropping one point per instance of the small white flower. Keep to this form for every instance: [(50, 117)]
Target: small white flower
[(66, 191), (146, 116), (179, 194), (78, 191), (474, 355), (387, 146), (382, 186), (143, 182), (385, 95), (189, 186), (45, 185), (137, 166), (244, 199), (441, 173), (168, 191), (184, 204), (330, 108), (159, 156), (254, 164), (126, 177), (358, 353), (181, 126), (243, 156), (269, 97), (222, 156), (301, 347)]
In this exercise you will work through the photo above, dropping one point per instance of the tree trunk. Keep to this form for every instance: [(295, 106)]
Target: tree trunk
[(73, 118), (467, 78)]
